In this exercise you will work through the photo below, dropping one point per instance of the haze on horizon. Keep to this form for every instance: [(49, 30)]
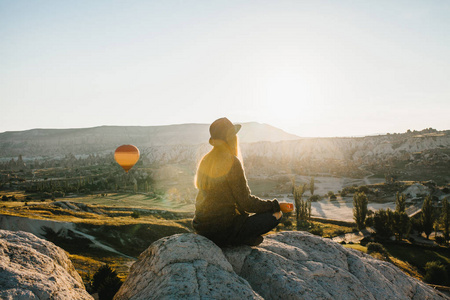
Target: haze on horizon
[(311, 68)]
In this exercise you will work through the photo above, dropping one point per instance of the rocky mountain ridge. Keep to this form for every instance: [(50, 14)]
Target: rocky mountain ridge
[(187, 142), (332, 156), (97, 140), (267, 151), (311, 148)]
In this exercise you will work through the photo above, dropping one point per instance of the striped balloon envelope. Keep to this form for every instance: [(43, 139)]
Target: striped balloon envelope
[(126, 156)]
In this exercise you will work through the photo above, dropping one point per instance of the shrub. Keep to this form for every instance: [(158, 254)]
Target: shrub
[(135, 214), (58, 194), (338, 232), (365, 241), (316, 231), (376, 247), (286, 222), (349, 190), (103, 273), (416, 225), (435, 273), (46, 195), (380, 256), (314, 198), (5, 198), (440, 240), (363, 189), (109, 288)]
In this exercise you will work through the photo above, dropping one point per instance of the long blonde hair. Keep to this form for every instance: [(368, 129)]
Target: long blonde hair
[(217, 162)]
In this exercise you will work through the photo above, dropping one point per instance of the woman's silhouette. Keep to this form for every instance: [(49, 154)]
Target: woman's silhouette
[(224, 202)]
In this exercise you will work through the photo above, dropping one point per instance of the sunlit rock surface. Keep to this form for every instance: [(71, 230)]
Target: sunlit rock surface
[(288, 265), (184, 266), (33, 268)]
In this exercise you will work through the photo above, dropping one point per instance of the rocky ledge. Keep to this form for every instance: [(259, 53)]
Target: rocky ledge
[(33, 268), (288, 265)]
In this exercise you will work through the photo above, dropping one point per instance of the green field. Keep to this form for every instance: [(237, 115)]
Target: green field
[(110, 222), (134, 201)]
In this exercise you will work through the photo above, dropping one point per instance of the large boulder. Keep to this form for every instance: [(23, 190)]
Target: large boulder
[(288, 265), (184, 266), (299, 265), (33, 268)]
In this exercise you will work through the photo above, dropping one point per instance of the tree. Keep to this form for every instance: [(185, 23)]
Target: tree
[(435, 273), (360, 202), (302, 208), (400, 220), (104, 272), (427, 216), (109, 287), (400, 224), (382, 220), (400, 202), (445, 217), (311, 186)]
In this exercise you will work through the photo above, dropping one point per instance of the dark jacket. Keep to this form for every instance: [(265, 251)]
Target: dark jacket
[(222, 205)]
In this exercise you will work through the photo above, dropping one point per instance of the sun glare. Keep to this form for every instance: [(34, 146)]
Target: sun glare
[(288, 95)]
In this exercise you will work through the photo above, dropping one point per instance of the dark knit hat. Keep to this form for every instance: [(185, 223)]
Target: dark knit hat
[(222, 128)]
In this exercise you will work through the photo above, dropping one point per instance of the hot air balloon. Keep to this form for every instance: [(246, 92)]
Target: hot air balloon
[(126, 156)]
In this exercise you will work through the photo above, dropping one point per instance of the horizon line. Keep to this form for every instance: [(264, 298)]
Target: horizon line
[(206, 124)]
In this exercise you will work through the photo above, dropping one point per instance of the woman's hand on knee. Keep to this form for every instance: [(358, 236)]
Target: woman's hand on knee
[(278, 215)]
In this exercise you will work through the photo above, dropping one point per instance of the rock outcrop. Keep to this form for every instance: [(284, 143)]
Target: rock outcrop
[(184, 266), (288, 265), (33, 268)]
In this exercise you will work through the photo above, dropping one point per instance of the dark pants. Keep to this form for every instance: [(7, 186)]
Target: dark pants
[(254, 226), (243, 230)]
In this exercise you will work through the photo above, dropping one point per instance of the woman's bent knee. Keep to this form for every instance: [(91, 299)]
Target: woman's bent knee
[(278, 215)]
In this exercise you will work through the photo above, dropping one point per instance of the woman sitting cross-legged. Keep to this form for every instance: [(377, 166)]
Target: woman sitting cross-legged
[(225, 210)]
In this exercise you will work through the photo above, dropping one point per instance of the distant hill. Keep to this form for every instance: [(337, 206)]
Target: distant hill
[(267, 151), (54, 142)]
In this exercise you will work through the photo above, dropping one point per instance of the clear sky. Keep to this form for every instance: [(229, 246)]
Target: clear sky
[(312, 68)]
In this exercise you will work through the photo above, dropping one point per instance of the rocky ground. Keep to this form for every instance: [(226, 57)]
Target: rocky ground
[(33, 268), (288, 265)]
